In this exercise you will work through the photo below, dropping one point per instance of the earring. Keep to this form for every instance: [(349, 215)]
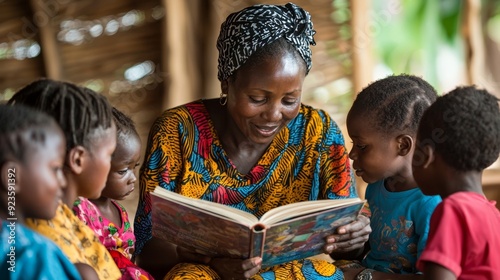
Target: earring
[(223, 99)]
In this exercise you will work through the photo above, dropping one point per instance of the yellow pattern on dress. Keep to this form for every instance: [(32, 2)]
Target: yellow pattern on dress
[(77, 241)]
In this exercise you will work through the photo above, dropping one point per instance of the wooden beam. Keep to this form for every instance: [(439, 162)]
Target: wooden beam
[(42, 16)]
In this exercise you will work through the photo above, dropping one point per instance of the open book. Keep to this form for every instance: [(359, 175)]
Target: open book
[(286, 233)]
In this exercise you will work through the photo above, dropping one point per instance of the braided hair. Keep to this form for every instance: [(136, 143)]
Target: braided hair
[(124, 124), (80, 111), (20, 129), (468, 120), (395, 104)]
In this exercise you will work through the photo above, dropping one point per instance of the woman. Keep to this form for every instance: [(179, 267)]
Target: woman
[(255, 148)]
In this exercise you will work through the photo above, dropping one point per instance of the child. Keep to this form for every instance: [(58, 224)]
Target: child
[(86, 120), (32, 150), (104, 215), (458, 137), (382, 124)]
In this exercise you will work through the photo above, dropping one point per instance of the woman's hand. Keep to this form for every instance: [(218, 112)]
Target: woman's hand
[(236, 268), (349, 237)]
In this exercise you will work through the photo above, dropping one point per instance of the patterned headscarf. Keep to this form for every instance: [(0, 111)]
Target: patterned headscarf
[(252, 28)]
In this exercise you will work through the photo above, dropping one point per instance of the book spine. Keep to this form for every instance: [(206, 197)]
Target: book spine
[(257, 241)]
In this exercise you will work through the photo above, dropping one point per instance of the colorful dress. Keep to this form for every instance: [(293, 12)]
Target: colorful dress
[(464, 237), (118, 239), (25, 254), (77, 241), (400, 224), (307, 160)]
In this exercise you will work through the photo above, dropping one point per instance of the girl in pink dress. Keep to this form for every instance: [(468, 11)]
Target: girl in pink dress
[(105, 215)]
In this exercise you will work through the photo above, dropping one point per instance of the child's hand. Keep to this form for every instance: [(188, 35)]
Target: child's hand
[(236, 268)]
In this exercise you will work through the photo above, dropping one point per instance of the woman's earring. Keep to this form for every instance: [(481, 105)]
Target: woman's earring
[(223, 99)]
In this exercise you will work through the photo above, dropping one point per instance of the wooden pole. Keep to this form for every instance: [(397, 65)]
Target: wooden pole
[(177, 58), (362, 57), (474, 45), (42, 17)]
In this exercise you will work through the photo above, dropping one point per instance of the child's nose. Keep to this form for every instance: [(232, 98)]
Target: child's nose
[(132, 179)]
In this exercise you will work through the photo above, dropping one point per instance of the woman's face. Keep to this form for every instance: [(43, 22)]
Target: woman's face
[(263, 97)]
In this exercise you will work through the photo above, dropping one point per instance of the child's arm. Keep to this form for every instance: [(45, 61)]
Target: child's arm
[(86, 271), (435, 271)]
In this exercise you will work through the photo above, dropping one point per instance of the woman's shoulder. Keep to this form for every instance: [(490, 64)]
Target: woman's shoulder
[(183, 113), (316, 123)]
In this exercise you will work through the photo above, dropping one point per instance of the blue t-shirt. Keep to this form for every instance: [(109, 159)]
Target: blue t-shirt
[(400, 224), (24, 254)]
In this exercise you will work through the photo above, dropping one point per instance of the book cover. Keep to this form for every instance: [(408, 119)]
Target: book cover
[(221, 231)]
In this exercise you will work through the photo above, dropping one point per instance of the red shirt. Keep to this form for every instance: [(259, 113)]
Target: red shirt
[(465, 237)]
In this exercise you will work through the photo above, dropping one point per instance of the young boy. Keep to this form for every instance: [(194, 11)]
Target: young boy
[(458, 137)]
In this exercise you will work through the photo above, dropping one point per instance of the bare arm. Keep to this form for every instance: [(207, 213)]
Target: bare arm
[(351, 273), (435, 271), (86, 271)]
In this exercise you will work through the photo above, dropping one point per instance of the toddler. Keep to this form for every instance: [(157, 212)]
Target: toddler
[(105, 215), (382, 124), (458, 137), (32, 150), (85, 118)]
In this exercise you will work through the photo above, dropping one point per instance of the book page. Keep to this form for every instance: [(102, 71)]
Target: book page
[(228, 212), (304, 236), (289, 211)]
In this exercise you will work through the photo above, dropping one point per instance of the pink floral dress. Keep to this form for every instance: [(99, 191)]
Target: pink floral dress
[(118, 239)]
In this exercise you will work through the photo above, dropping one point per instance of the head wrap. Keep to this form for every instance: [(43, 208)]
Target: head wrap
[(252, 28)]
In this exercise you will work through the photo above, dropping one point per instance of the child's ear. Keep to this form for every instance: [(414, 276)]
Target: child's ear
[(428, 155), (11, 176), (405, 144), (76, 159)]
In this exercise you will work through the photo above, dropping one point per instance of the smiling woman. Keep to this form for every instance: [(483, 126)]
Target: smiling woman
[(256, 148)]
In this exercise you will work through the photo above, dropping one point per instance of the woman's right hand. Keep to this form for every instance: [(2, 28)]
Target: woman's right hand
[(236, 268)]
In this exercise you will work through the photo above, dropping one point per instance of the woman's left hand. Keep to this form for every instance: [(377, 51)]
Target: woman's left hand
[(349, 237)]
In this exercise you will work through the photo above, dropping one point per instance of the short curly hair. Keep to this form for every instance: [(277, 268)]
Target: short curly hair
[(468, 120), (395, 104)]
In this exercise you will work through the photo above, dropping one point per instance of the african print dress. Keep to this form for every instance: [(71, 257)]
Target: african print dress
[(307, 160)]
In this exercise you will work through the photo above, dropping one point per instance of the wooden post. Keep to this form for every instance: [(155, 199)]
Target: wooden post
[(474, 45), (362, 60), (48, 40), (179, 52), (362, 72)]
